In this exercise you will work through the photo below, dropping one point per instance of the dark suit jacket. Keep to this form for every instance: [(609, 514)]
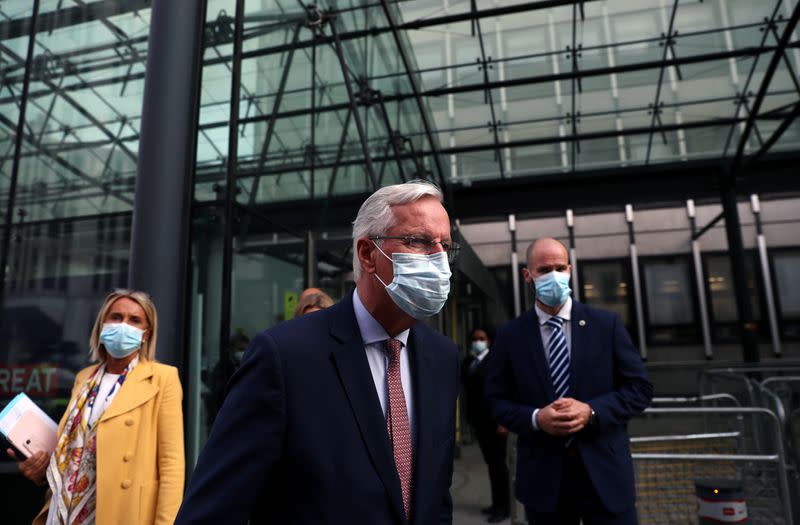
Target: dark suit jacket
[(475, 404), (301, 437), (606, 371)]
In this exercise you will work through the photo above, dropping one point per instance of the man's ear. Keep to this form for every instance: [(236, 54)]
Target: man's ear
[(366, 255), (526, 274)]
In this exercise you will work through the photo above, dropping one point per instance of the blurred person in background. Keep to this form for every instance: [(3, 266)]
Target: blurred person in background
[(119, 455), (311, 300), (492, 438)]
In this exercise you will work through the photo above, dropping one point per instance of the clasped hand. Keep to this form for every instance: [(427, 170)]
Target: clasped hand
[(563, 416)]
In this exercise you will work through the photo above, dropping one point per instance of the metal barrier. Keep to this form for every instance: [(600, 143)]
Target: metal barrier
[(724, 446), (707, 399), (668, 465), (787, 390)]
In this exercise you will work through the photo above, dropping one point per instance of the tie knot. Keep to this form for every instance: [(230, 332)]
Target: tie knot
[(394, 346), (555, 322)]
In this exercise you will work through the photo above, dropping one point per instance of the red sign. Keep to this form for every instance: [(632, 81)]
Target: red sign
[(34, 380)]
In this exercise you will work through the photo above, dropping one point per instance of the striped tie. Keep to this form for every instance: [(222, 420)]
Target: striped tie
[(559, 356)]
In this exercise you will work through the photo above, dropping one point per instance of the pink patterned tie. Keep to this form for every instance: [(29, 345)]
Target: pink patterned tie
[(397, 424)]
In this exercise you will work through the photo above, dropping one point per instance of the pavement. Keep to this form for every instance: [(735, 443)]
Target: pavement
[(470, 489)]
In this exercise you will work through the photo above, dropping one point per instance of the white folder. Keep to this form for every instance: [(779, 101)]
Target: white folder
[(27, 427)]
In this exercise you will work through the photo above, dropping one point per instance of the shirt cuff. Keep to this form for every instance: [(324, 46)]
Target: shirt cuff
[(533, 419)]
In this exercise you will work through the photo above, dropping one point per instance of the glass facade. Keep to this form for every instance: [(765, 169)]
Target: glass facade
[(71, 87), (71, 104), (303, 110), (536, 118)]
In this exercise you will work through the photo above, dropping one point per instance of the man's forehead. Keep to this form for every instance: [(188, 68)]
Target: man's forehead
[(549, 256), (422, 217)]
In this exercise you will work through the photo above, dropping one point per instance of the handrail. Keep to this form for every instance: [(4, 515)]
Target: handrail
[(749, 384), (683, 437), (776, 379), (694, 399), (708, 457)]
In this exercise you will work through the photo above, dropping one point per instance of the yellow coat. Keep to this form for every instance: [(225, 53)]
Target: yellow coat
[(140, 461)]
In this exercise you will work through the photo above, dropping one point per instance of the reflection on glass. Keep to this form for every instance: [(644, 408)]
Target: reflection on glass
[(70, 230), (787, 267), (605, 285), (720, 286), (668, 295), (58, 274)]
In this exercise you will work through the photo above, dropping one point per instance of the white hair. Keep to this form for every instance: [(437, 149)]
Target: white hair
[(376, 216)]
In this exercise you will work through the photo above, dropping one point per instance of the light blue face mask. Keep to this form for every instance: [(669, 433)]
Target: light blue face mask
[(478, 347), (421, 283), (121, 339), (552, 288)]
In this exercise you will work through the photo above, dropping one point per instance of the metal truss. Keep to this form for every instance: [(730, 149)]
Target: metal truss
[(309, 28), (656, 108), (777, 56)]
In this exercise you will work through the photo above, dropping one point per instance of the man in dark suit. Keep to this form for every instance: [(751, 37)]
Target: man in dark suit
[(492, 438), (346, 415), (566, 378)]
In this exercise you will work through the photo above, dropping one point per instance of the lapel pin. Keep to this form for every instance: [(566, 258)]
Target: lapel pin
[(582, 322)]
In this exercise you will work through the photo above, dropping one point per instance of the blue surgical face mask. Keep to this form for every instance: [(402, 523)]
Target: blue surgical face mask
[(421, 283), (478, 347), (121, 339), (552, 288)]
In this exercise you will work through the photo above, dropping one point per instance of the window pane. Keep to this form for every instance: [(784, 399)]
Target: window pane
[(669, 299), (605, 285), (787, 266), (720, 286)]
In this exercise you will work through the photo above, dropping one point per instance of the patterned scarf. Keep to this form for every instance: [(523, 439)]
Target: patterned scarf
[(72, 471)]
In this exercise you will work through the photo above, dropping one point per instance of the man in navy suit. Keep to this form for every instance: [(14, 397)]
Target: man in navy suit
[(346, 415), (566, 379)]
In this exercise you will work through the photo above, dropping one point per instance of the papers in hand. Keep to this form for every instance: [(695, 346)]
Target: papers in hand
[(27, 427)]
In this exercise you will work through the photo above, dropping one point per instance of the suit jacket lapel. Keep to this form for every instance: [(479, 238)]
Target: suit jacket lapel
[(351, 362), (534, 347), (136, 390), (424, 387), (577, 352)]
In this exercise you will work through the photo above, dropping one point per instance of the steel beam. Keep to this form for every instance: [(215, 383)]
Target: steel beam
[(489, 99), (776, 135), (511, 144), (524, 81), (656, 109), (20, 130), (337, 47), (415, 90), (779, 50), (166, 160), (743, 94), (272, 117)]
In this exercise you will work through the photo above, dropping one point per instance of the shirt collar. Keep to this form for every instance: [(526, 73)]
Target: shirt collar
[(564, 313), (371, 330), (483, 354)]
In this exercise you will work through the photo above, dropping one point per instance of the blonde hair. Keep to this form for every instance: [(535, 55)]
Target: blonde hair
[(147, 352)]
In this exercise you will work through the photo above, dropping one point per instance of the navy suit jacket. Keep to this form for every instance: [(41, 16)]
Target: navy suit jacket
[(606, 372), (301, 437)]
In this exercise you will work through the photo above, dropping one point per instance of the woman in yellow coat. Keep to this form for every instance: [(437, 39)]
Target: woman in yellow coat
[(119, 458)]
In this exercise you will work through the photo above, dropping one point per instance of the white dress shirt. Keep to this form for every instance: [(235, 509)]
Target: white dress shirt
[(106, 393), (374, 337), (547, 332)]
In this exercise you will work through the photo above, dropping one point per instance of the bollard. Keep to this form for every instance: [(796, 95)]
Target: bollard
[(720, 501)]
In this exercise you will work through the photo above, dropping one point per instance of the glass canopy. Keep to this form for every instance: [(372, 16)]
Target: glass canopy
[(341, 97)]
